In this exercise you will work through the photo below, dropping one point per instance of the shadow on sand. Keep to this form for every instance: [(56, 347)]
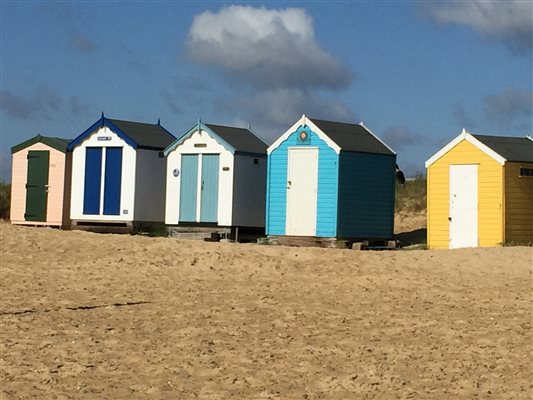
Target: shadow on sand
[(417, 236)]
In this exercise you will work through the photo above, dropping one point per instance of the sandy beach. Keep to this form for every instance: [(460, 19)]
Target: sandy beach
[(93, 316)]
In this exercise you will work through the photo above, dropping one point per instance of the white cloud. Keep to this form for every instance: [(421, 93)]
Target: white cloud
[(273, 111), (510, 21), (265, 48)]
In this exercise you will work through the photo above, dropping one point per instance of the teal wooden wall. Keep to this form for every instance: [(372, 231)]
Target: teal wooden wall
[(366, 195), (327, 185)]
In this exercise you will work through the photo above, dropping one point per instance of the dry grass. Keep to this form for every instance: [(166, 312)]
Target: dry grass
[(411, 196)]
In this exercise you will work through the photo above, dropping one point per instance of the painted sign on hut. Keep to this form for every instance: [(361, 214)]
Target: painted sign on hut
[(330, 180), (480, 192), (118, 174), (216, 177), (40, 170)]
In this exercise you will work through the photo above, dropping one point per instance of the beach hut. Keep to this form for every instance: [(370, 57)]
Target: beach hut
[(39, 193), (216, 177), (330, 180), (118, 174), (480, 192)]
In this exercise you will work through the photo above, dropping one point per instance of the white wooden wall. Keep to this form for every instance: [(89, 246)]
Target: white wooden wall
[(225, 184), (127, 193)]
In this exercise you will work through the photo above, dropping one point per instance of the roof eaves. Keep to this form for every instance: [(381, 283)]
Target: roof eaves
[(198, 127), (464, 135), (49, 141), (377, 137), (103, 121)]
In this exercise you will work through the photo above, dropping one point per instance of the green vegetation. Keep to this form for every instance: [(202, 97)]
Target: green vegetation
[(411, 196), (5, 200)]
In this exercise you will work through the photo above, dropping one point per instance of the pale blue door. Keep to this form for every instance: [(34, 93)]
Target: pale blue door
[(189, 187), (209, 197)]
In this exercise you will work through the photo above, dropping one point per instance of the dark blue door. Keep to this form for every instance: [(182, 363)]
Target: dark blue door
[(113, 180), (93, 178)]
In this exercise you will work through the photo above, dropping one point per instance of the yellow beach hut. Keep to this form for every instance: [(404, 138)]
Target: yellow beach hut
[(480, 192)]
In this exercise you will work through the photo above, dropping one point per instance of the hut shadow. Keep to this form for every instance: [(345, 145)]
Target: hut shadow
[(418, 236)]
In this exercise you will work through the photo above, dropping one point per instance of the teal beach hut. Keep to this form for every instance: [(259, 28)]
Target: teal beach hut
[(330, 180)]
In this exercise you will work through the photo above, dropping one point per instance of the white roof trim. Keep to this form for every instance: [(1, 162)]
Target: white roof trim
[(471, 139), (379, 140), (304, 121)]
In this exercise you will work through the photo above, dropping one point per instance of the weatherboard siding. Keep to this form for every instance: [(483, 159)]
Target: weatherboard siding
[(127, 179), (366, 195), (150, 186), (208, 145), (518, 204), (249, 188), (56, 182), (327, 185), (490, 196)]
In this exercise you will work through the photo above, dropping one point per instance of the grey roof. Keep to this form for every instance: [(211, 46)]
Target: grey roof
[(352, 137), (151, 136), (510, 148), (241, 139)]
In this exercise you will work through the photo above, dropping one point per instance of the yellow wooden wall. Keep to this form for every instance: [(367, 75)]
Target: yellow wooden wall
[(518, 204), (490, 196)]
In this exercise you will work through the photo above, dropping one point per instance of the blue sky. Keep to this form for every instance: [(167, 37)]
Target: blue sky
[(416, 73)]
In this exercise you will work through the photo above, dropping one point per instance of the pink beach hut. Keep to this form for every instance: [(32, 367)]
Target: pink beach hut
[(40, 169)]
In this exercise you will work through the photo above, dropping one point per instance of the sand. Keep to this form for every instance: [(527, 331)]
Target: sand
[(93, 316)]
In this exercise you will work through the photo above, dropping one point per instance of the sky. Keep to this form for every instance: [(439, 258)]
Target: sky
[(415, 72)]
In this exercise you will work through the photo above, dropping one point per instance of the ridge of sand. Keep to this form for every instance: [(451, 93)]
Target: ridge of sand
[(91, 316)]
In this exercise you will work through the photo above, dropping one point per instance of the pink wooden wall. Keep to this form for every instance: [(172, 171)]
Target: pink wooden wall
[(56, 182)]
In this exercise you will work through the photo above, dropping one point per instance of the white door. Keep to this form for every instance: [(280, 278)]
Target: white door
[(302, 188), (463, 206)]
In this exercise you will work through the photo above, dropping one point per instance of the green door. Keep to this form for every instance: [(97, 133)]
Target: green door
[(37, 185)]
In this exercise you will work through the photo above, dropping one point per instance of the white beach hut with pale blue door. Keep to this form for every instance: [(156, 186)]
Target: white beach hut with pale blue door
[(330, 180), (216, 177), (118, 174)]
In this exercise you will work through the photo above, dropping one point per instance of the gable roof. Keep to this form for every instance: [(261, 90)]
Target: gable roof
[(236, 140), (340, 136), (59, 144), (510, 148), (353, 137), (242, 140), (136, 134), (500, 148)]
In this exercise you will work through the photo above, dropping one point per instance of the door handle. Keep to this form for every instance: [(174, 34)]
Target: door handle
[(289, 184), (450, 219)]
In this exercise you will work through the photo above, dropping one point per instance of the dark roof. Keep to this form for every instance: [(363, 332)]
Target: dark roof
[(241, 139), (54, 142), (510, 148), (352, 137), (152, 136)]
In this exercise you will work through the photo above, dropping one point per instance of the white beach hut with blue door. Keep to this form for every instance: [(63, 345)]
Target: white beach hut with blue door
[(216, 176), (330, 180), (118, 174)]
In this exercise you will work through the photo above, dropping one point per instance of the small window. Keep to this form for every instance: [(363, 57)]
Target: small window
[(526, 171), (256, 161), (200, 145)]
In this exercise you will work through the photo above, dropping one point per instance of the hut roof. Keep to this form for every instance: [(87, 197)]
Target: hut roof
[(136, 134), (243, 140), (353, 137), (236, 140), (59, 144), (510, 148)]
